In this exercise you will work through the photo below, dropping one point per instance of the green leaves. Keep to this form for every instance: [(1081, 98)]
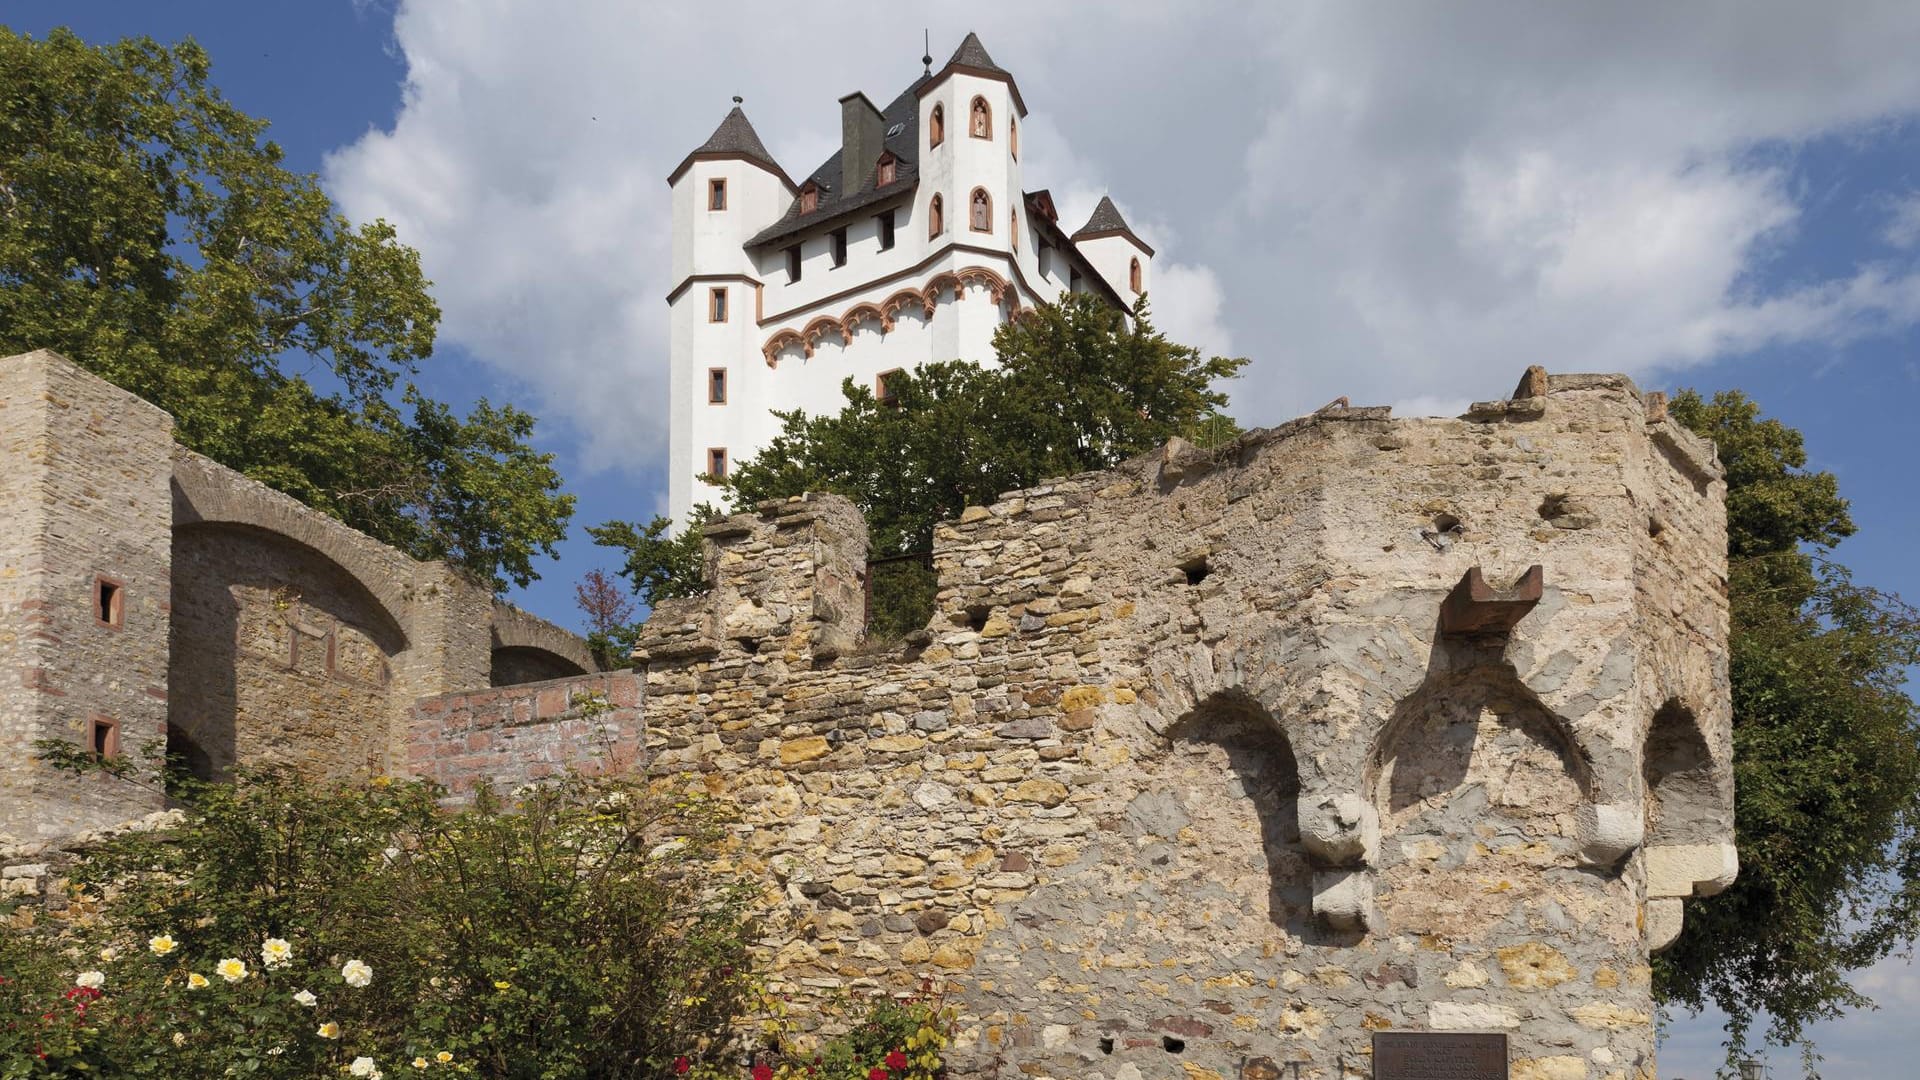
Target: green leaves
[(1826, 750), (149, 232)]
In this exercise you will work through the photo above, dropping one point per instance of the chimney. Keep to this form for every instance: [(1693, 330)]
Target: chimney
[(863, 132)]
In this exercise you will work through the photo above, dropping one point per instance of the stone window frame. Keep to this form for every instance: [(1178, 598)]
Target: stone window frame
[(936, 216), (116, 604), (976, 108), (937, 126), (1013, 137), (103, 736), (880, 393), (719, 384), (717, 194), (974, 221), (717, 455), (717, 304), (1133, 275)]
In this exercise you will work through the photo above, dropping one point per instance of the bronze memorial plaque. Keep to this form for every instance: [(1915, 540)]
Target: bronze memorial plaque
[(1438, 1055)]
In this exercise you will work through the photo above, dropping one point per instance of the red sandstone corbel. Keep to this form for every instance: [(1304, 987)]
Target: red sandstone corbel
[(1474, 607)]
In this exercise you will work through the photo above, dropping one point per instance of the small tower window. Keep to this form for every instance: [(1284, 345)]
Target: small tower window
[(936, 127), (717, 305), (793, 264), (1013, 137), (716, 194), (887, 171), (981, 219), (839, 247), (886, 230), (1133, 276), (934, 224), (716, 386), (881, 391), (109, 602), (717, 462), (103, 737), (980, 124), (1013, 228)]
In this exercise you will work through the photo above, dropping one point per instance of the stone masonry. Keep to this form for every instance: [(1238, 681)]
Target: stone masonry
[(1218, 762)]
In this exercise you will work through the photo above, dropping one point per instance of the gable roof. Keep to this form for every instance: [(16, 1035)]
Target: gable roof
[(735, 139), (833, 202), (1106, 221)]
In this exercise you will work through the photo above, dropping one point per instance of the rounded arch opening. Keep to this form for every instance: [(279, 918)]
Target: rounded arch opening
[(980, 118), (980, 211), (936, 216), (1683, 802), (936, 126)]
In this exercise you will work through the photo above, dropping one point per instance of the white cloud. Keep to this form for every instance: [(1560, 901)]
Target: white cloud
[(1406, 209), (1903, 220)]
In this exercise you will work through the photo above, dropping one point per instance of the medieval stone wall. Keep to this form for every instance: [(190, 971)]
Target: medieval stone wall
[(1190, 776), (513, 735)]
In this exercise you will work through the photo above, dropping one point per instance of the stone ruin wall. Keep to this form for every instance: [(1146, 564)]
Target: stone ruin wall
[(253, 629), (1184, 778)]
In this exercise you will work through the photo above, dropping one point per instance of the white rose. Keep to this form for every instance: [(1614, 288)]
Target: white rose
[(92, 980), (305, 997), (362, 1066), (356, 973)]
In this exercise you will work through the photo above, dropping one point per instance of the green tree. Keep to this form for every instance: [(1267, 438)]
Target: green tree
[(1826, 750), (1080, 385), (150, 232)]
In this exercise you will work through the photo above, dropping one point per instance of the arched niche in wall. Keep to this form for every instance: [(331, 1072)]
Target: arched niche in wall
[(1225, 799), (1476, 784), (516, 664), (1683, 803), (275, 649)]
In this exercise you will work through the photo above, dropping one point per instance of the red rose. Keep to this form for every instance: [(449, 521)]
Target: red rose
[(681, 1065), (763, 1071), (877, 1073), (897, 1061)]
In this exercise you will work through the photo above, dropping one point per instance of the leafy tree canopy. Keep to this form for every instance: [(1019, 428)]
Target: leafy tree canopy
[(149, 232), (1080, 385), (1826, 750)]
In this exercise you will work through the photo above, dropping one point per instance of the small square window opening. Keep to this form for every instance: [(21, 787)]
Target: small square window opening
[(109, 602), (717, 305), (881, 392), (717, 386), (716, 194), (103, 737), (717, 462)]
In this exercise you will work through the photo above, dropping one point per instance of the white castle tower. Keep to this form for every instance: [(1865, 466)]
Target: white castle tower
[(912, 243)]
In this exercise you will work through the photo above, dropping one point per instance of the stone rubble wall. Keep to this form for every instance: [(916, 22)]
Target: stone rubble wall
[(1183, 778), (514, 735)]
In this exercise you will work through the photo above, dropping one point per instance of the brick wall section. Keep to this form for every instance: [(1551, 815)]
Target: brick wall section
[(515, 735), (83, 488), (1183, 778)]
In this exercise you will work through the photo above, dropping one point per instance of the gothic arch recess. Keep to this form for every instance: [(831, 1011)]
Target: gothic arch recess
[(999, 290)]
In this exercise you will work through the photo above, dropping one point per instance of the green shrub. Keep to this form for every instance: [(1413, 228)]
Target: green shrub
[(576, 931)]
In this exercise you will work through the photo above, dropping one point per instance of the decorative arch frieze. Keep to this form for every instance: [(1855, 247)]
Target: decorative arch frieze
[(927, 298)]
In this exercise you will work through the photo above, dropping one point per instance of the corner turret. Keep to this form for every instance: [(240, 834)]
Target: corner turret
[(1125, 260)]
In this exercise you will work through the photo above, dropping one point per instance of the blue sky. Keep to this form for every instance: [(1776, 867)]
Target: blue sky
[(1404, 210)]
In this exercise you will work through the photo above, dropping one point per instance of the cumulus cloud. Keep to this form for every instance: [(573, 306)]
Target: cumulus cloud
[(1405, 209)]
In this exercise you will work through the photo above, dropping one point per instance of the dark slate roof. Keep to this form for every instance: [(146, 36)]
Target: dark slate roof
[(1056, 237), (835, 203), (974, 55), (1106, 221), (734, 137)]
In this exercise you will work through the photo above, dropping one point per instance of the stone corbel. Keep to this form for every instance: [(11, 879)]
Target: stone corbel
[(1609, 832), (1474, 607), (1679, 870), (1343, 899), (1665, 916), (1341, 829)]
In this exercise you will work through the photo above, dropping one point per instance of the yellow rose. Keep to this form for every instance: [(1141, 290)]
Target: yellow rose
[(443, 1057), (162, 945), (329, 1030), (419, 1063), (232, 969), (196, 981), (501, 984)]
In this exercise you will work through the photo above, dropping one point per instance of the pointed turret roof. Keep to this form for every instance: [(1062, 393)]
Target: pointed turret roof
[(1106, 221), (734, 138), (974, 55), (971, 58)]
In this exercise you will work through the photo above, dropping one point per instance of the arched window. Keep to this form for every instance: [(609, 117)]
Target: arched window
[(933, 218), (936, 127), (981, 122), (1013, 228), (982, 211), (1133, 275), (1013, 137)]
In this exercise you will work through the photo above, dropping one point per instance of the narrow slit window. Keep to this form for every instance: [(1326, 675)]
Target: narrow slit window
[(717, 386), (717, 305), (793, 263), (933, 218), (839, 247), (103, 737), (716, 194), (1133, 276), (109, 602), (886, 231), (936, 127), (717, 462)]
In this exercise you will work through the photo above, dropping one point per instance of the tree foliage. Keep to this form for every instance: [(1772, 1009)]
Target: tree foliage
[(149, 232), (1079, 385), (1826, 750)]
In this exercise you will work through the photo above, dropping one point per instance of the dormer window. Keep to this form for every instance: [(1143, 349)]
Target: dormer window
[(716, 194), (980, 122), (809, 199), (936, 127), (887, 171)]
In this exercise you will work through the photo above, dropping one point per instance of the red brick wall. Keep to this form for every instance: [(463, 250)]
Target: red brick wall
[(512, 735)]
